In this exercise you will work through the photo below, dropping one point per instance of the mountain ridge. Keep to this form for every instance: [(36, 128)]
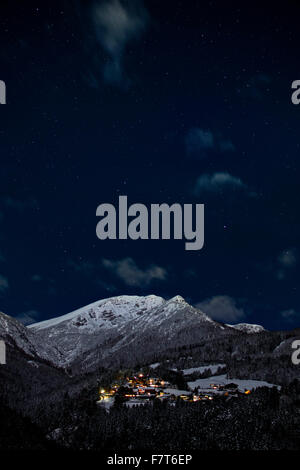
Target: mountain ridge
[(101, 332), (116, 330)]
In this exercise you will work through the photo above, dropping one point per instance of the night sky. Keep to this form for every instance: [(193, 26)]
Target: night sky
[(162, 101)]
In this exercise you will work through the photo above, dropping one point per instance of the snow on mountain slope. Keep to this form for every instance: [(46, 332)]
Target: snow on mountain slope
[(99, 325), (104, 313), (124, 325), (213, 369), (173, 324), (18, 336), (117, 330), (248, 328), (15, 333)]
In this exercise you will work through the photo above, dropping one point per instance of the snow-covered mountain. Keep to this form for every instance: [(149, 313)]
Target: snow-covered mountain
[(248, 328), (16, 335), (118, 331), (123, 326), (104, 313)]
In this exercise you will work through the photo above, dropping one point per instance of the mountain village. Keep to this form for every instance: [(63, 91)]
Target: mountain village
[(141, 389)]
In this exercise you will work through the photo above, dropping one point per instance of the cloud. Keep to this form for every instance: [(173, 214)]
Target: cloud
[(127, 270), (281, 266), (222, 308), (18, 204), (200, 142), (27, 318), (116, 23), (36, 278), (286, 261), (106, 286), (256, 87), (217, 182), (82, 267), (289, 314), (3, 284), (287, 258)]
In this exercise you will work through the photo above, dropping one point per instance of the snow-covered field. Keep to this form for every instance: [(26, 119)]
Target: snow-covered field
[(213, 368), (155, 365), (177, 393), (222, 380)]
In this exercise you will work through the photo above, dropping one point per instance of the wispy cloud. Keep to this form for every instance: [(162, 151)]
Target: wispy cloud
[(256, 87), (117, 23), (286, 261), (128, 271), (222, 308), (217, 182), (200, 142), (282, 265), (4, 285), (290, 316), (82, 267), (287, 258), (16, 204)]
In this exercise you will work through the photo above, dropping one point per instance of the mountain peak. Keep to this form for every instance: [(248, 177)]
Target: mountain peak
[(178, 298)]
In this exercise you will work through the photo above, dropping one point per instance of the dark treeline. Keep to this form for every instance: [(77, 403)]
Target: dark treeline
[(268, 419)]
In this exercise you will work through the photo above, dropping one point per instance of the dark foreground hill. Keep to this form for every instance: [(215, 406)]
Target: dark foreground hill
[(49, 386)]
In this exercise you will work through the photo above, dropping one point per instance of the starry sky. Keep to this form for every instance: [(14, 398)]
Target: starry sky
[(173, 101)]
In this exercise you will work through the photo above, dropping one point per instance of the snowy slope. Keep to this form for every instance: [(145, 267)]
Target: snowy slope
[(248, 328), (243, 385), (115, 331), (18, 336), (212, 367), (123, 326), (99, 325), (104, 313)]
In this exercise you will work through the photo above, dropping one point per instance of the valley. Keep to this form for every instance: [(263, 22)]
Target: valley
[(79, 378)]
